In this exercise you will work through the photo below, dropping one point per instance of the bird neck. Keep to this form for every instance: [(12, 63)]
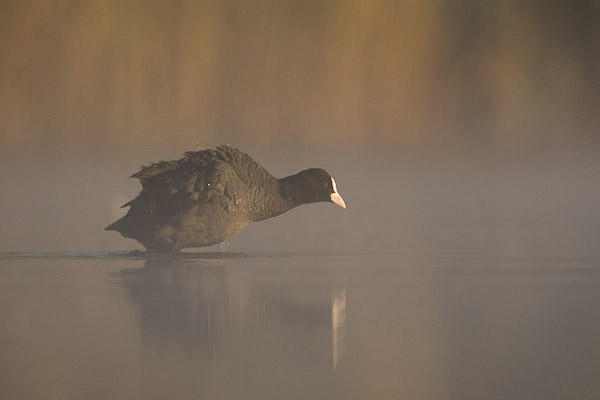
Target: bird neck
[(290, 190), (279, 196)]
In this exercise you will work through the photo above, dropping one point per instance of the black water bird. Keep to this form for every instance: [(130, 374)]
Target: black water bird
[(208, 196)]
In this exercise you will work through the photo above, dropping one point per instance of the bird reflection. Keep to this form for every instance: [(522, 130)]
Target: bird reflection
[(208, 310), (338, 325), (177, 300)]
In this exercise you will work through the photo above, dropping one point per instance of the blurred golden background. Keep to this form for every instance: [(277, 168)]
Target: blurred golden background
[(114, 77)]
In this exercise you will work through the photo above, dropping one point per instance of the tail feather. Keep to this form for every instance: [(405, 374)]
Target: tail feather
[(116, 226)]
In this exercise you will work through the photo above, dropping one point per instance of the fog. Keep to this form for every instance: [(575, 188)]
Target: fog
[(463, 137), (532, 206)]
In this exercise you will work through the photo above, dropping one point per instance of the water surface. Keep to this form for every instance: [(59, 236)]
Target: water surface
[(299, 326)]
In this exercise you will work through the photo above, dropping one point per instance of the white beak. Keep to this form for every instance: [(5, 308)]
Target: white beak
[(337, 199), (335, 196)]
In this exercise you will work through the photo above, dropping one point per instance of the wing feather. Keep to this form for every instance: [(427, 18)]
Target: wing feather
[(197, 177)]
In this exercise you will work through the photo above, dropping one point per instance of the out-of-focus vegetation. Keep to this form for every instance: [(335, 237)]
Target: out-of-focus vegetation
[(111, 75)]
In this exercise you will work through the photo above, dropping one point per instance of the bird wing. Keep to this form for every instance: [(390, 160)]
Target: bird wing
[(199, 177), (149, 173)]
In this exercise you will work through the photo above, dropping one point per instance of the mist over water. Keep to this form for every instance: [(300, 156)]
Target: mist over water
[(462, 137), (529, 206), (440, 280)]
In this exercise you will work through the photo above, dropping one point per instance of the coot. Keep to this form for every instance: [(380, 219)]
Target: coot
[(210, 195)]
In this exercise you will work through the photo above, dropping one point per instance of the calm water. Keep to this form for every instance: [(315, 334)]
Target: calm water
[(297, 326), (494, 295)]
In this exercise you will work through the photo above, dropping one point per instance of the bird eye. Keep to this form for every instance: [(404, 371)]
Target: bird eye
[(325, 184)]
